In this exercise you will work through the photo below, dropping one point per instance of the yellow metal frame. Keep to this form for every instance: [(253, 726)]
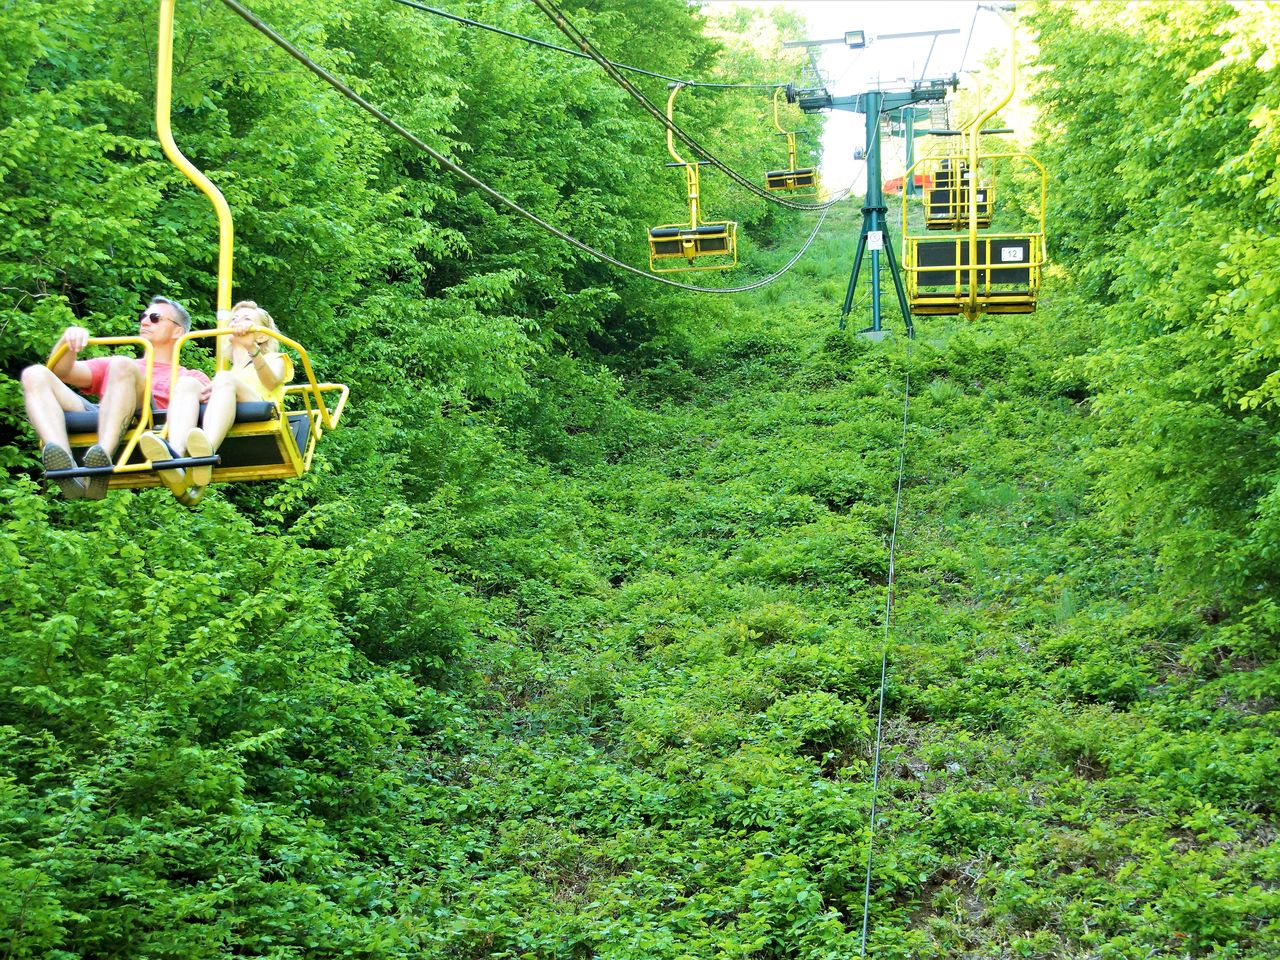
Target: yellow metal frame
[(787, 180), (952, 214), (989, 299), (970, 297), (689, 238), (144, 416)]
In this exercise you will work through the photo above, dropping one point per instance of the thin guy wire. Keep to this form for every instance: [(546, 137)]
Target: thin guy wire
[(574, 34), (972, 23), (884, 653), (932, 46), (578, 53), (252, 19)]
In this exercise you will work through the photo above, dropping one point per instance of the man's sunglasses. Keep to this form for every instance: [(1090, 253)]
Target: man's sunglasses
[(155, 317)]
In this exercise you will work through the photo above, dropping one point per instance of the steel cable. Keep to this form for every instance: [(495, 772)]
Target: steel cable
[(972, 23), (578, 53), (884, 652), (574, 34), (254, 21)]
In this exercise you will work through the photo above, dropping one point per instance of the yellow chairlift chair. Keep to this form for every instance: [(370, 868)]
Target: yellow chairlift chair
[(975, 270), (946, 201), (268, 441), (716, 243), (800, 182)]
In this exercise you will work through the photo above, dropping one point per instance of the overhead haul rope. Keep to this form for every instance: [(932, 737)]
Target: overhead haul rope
[(884, 651), (578, 53), (609, 67), (252, 19)]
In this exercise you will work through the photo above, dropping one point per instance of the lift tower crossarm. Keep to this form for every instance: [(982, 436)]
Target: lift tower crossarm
[(885, 101)]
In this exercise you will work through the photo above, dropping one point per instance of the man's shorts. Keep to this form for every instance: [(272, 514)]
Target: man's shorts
[(89, 407)]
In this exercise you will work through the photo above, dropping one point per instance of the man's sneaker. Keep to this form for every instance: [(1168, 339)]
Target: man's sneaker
[(198, 445), (95, 488), (55, 457), (156, 449)]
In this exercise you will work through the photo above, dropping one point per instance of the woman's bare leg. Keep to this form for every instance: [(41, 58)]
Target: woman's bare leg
[(220, 412), (184, 411)]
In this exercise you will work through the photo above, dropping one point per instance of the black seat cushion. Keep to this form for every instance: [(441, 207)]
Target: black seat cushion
[(707, 230), (258, 411), (945, 262)]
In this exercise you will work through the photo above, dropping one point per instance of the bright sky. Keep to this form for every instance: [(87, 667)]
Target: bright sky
[(887, 62)]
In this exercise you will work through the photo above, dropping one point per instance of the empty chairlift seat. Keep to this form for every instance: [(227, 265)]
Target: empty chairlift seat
[(946, 202), (802, 181), (701, 244), (715, 243), (1006, 278), (788, 180)]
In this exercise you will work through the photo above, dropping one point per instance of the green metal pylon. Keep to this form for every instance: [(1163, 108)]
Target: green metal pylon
[(874, 236), (906, 129)]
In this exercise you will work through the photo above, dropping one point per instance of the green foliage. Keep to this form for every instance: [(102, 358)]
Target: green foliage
[(570, 644), (1181, 374)]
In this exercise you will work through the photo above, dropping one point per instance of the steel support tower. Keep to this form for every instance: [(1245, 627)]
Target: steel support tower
[(874, 236)]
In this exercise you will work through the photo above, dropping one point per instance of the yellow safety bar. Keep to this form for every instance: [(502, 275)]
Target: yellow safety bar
[(974, 131), (311, 391), (164, 102), (144, 414)]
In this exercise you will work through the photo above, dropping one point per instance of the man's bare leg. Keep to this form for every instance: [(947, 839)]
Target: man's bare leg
[(48, 400), (121, 399)]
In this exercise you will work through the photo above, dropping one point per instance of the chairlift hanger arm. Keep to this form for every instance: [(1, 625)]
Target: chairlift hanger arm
[(671, 144)]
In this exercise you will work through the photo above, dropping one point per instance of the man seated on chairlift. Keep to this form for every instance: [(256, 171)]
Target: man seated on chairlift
[(117, 381)]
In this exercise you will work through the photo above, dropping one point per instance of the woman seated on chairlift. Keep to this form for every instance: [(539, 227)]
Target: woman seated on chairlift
[(259, 371)]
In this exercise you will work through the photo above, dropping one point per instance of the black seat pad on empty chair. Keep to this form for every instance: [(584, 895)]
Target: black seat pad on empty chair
[(937, 266), (257, 411), (713, 230)]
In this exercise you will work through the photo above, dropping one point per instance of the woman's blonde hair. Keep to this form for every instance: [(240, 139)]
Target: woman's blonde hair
[(261, 319)]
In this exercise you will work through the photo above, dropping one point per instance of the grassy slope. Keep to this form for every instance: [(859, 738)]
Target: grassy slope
[(669, 753)]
